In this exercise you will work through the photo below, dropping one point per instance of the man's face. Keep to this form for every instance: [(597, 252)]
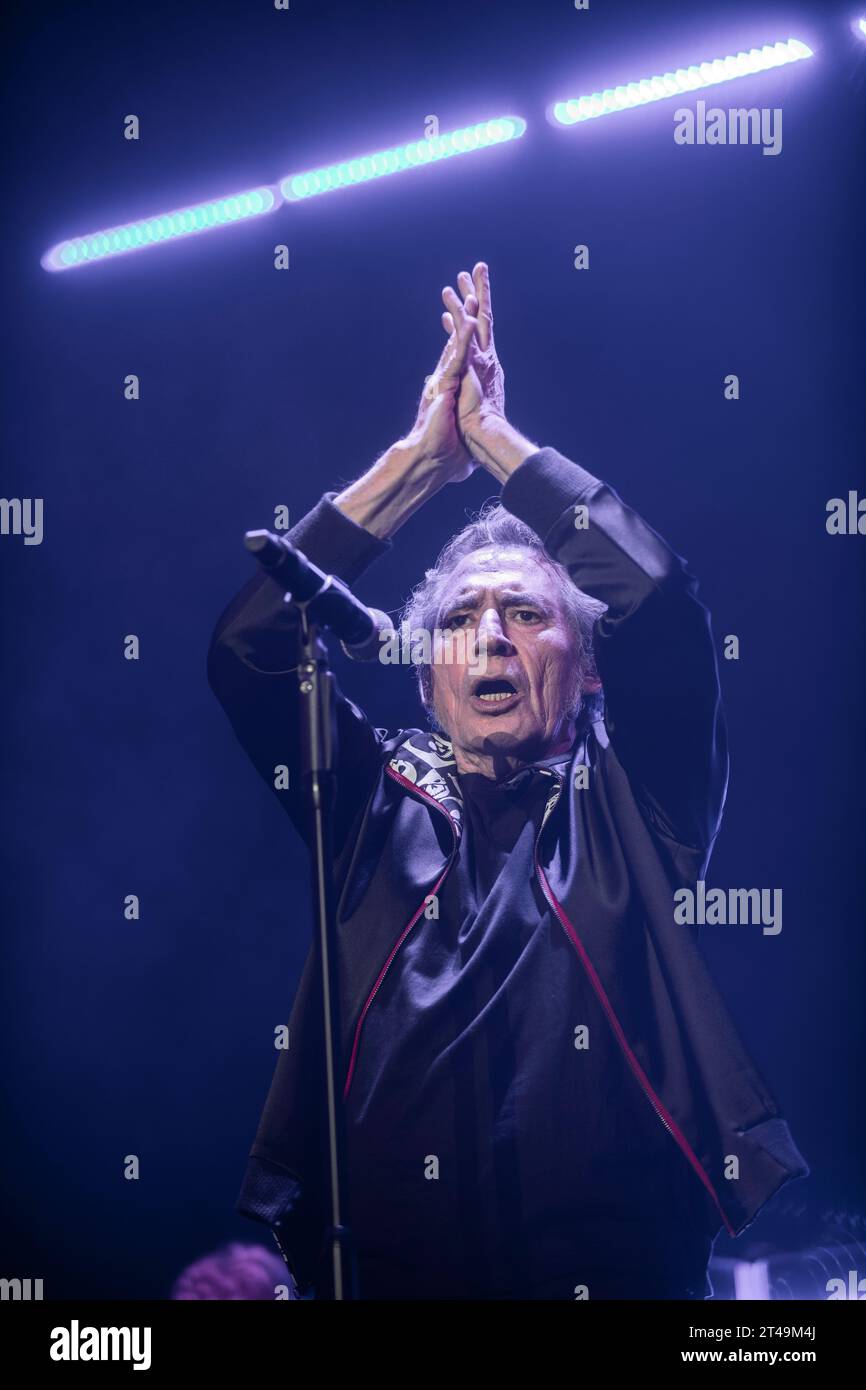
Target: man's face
[(522, 702)]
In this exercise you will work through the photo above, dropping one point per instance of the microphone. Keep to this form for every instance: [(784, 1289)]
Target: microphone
[(361, 630)]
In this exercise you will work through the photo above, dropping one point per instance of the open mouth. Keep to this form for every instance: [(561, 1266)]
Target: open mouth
[(494, 694)]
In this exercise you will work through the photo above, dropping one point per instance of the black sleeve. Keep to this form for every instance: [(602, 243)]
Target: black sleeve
[(250, 666), (654, 646)]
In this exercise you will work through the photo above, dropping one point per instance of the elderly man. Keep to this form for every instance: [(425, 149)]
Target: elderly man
[(544, 1095)]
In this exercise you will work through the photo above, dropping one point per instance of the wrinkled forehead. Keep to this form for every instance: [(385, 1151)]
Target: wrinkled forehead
[(511, 568)]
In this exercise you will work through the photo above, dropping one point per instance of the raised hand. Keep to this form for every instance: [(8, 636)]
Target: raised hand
[(435, 434), (482, 388), (431, 454)]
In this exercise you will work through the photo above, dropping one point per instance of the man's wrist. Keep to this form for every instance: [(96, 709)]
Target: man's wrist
[(496, 444), (398, 483), (416, 462)]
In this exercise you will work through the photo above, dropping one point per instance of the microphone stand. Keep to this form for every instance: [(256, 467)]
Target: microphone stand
[(318, 749), (318, 760)]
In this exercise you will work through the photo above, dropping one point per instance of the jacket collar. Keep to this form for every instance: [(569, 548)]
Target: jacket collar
[(427, 761)]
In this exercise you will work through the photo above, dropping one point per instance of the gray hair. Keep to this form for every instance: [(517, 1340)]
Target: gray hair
[(493, 525)]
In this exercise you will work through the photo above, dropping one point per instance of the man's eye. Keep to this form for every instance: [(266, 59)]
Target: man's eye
[(456, 619), (529, 614)]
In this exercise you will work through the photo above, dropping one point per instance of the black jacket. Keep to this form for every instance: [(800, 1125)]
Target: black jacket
[(609, 857)]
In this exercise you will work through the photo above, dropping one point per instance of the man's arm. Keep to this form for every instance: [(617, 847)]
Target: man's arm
[(433, 452), (653, 646), (251, 667), (255, 648)]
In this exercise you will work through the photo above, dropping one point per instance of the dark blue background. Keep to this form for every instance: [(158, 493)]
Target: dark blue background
[(259, 388)]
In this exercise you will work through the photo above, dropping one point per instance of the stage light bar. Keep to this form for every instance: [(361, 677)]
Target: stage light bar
[(164, 226), (678, 83), (414, 155)]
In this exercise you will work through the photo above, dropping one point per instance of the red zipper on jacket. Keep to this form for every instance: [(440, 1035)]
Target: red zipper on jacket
[(667, 1120), (398, 777)]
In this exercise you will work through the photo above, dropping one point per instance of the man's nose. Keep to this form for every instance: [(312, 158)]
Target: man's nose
[(489, 634)]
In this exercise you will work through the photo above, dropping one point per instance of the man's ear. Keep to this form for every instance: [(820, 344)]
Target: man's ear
[(428, 697)]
